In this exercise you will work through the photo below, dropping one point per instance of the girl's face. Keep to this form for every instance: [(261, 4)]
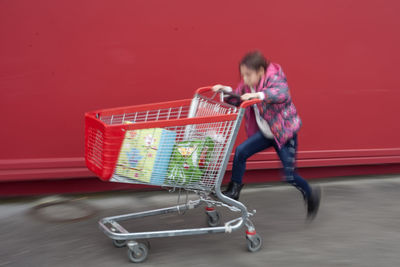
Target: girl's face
[(251, 77)]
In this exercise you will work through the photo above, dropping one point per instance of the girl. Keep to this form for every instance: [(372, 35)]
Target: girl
[(273, 123)]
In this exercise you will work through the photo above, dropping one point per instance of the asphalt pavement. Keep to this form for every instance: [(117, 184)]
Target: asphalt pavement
[(358, 225)]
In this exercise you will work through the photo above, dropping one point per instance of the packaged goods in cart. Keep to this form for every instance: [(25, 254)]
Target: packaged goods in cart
[(189, 161), (145, 155)]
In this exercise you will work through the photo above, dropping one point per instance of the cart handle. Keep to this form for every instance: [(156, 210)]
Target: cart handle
[(244, 104)]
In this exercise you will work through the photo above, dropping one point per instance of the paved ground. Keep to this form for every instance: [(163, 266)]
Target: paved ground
[(358, 225)]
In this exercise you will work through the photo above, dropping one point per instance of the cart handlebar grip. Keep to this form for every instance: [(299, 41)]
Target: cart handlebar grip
[(203, 90), (250, 102), (244, 104)]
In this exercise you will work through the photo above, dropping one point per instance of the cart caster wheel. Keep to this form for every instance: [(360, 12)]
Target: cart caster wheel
[(254, 242), (138, 253), (214, 220), (119, 243)]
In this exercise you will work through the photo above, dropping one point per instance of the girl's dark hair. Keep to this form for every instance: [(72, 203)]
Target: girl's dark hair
[(254, 60)]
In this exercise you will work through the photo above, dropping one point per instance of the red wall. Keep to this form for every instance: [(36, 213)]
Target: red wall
[(61, 58)]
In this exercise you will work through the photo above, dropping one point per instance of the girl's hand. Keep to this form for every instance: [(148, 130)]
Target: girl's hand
[(249, 96), (217, 87)]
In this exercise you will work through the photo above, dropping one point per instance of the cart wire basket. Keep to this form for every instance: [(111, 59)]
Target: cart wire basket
[(183, 144)]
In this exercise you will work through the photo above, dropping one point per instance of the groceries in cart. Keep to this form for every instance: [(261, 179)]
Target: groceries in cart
[(145, 155), (189, 161), (153, 156)]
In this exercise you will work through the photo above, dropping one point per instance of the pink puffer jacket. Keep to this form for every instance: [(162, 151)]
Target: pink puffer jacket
[(277, 107)]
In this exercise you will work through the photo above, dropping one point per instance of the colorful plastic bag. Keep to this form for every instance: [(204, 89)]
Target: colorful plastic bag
[(189, 161)]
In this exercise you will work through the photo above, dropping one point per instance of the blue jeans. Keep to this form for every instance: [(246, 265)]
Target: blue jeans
[(287, 155)]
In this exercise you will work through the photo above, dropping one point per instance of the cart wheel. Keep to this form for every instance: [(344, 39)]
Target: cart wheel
[(254, 243), (139, 254), (119, 243), (213, 221)]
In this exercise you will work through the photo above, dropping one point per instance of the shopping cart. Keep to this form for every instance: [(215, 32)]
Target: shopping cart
[(182, 145)]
